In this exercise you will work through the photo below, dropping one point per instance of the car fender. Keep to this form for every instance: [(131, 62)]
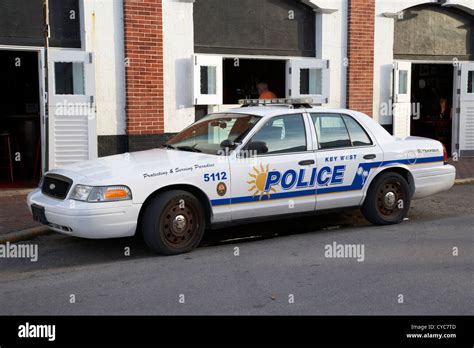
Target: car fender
[(392, 167)]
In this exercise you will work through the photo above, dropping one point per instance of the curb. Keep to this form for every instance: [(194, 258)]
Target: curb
[(19, 236), (464, 181)]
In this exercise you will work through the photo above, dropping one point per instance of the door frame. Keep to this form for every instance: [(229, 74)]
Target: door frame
[(42, 97), (455, 97)]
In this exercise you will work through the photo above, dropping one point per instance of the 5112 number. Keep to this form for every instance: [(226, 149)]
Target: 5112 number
[(215, 177)]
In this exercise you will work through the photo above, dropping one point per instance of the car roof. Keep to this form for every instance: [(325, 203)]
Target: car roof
[(270, 111), (368, 122)]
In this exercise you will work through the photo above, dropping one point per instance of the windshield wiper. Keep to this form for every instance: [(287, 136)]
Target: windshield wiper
[(188, 148), (168, 146)]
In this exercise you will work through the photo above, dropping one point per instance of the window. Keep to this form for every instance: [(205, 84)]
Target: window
[(69, 78), (403, 82), (470, 81), (331, 131), (310, 81), (358, 135), (207, 134), (208, 79), (283, 134)]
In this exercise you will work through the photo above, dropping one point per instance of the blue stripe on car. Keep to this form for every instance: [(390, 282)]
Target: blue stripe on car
[(357, 184)]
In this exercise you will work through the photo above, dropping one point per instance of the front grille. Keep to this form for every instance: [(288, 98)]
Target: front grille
[(56, 186)]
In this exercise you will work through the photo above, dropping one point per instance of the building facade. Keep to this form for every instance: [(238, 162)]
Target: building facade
[(125, 75), (406, 63), (60, 105)]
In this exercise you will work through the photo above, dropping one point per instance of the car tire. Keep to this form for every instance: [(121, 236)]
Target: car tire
[(173, 223), (388, 199)]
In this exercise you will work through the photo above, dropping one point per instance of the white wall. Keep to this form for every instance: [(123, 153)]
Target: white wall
[(103, 34), (178, 38), (331, 44)]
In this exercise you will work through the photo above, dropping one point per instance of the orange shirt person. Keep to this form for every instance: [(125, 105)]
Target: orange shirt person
[(264, 92)]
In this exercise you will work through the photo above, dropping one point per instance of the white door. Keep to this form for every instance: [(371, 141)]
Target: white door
[(401, 99), (281, 179), (346, 158), (207, 79), (466, 114), (308, 78), (72, 113)]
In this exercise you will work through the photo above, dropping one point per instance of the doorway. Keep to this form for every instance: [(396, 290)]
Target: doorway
[(241, 77), (20, 128), (432, 94)]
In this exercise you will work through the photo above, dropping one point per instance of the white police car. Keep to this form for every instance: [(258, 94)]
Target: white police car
[(255, 162)]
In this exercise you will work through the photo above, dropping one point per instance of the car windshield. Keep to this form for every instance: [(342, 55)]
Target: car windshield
[(207, 135)]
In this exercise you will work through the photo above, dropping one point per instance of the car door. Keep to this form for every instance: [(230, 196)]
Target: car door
[(275, 181), (346, 157)]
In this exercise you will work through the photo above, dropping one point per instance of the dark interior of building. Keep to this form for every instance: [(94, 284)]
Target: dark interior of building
[(241, 77), (432, 88), (20, 146)]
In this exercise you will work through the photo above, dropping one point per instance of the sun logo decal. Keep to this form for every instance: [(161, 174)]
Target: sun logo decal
[(258, 182)]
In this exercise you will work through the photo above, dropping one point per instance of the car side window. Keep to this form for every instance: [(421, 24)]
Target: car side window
[(331, 131), (283, 134), (359, 136)]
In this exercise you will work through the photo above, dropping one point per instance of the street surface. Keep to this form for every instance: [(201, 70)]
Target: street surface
[(281, 269)]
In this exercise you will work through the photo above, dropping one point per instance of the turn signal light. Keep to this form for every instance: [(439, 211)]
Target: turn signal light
[(445, 153), (115, 193)]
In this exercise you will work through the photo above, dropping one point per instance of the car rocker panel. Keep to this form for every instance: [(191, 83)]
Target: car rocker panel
[(305, 163)]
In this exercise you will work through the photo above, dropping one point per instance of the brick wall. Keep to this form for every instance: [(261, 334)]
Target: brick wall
[(360, 73), (144, 68)]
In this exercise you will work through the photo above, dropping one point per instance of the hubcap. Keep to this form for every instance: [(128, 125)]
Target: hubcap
[(388, 196), (180, 223), (390, 199)]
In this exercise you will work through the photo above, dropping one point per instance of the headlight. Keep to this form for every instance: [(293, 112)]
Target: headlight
[(81, 192), (101, 193)]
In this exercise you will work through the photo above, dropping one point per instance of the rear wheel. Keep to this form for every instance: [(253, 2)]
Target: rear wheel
[(388, 199), (173, 223)]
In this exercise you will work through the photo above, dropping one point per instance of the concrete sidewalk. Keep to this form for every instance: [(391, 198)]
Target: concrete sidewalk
[(17, 224), (464, 168)]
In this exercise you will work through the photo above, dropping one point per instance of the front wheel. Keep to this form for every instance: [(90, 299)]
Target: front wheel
[(388, 199), (173, 223)]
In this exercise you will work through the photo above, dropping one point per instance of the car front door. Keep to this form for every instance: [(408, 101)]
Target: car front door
[(346, 157), (272, 173)]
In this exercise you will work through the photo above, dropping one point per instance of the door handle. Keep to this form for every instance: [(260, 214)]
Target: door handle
[(306, 163), (371, 156)]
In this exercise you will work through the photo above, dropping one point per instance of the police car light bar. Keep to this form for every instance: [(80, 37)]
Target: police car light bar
[(278, 101)]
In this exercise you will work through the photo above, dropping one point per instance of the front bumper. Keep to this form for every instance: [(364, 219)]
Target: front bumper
[(429, 181), (88, 220)]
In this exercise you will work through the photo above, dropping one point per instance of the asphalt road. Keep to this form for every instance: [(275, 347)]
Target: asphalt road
[(278, 262)]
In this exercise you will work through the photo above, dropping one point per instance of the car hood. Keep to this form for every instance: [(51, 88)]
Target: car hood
[(123, 167)]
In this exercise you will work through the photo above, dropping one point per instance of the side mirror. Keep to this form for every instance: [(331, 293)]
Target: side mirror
[(257, 147), (228, 144)]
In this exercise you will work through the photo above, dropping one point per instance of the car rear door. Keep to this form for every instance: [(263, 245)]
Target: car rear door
[(276, 182), (346, 157)]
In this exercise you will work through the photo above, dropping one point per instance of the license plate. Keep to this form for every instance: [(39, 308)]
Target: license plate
[(38, 214)]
